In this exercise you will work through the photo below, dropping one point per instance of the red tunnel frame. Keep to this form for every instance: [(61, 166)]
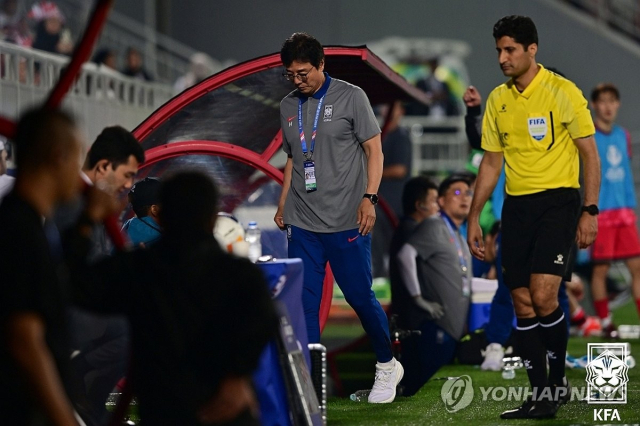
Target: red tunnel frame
[(245, 156)]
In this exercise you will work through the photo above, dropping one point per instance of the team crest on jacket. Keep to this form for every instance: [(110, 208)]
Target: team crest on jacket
[(328, 112), (537, 127)]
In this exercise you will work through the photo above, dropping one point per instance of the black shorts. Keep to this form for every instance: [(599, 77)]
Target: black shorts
[(538, 235)]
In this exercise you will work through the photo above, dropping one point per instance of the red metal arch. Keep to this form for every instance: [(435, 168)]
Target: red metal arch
[(190, 95), (395, 86), (222, 149)]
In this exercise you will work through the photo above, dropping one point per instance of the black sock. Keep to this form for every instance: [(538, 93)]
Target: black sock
[(554, 334), (529, 345)]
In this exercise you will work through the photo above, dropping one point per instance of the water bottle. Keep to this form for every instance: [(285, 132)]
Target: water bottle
[(508, 372), (252, 236), (361, 395), (629, 331)]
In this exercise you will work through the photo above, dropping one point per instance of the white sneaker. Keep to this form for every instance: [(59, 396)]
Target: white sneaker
[(384, 388), (493, 357)]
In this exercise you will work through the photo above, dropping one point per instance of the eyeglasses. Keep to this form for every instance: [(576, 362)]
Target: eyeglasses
[(459, 192), (301, 75)]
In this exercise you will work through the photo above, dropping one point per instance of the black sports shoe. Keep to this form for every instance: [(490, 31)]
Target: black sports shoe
[(566, 397), (547, 408), (521, 412), (544, 409)]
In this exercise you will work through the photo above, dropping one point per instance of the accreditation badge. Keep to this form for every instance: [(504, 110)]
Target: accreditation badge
[(310, 176), (466, 287)]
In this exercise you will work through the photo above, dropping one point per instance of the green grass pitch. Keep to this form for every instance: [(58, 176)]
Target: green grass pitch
[(427, 408)]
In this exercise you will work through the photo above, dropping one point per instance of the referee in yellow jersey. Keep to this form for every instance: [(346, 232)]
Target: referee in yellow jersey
[(537, 123)]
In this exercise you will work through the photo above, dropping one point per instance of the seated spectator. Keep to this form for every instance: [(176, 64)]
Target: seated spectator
[(192, 357), (420, 201), (51, 34), (106, 63), (13, 24), (435, 269), (105, 57), (144, 229), (135, 67), (6, 181), (201, 66), (9, 14)]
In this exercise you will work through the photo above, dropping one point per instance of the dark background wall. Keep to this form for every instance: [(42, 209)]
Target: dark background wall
[(242, 29)]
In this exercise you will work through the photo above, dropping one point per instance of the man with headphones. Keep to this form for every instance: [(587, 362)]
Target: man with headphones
[(430, 269)]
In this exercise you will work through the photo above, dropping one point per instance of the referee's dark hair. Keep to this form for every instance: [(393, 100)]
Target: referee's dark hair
[(416, 189), (301, 47), (520, 28), (37, 134), (604, 88), (188, 203), (115, 144)]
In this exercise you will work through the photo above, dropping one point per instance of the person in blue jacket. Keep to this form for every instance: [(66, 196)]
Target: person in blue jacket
[(144, 229)]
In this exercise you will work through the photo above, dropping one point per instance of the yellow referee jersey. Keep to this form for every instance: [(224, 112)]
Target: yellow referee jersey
[(535, 131)]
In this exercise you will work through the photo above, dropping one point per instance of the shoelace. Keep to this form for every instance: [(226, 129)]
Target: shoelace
[(382, 378)]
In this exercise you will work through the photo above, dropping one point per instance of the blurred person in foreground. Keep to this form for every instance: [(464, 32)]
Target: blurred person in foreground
[(199, 317), (538, 123), (34, 292), (434, 279)]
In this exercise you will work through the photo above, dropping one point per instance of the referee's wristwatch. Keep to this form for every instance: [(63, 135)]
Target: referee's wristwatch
[(372, 197), (592, 209)]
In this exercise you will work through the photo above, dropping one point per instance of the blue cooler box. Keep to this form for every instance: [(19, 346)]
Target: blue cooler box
[(482, 291), (284, 277)]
